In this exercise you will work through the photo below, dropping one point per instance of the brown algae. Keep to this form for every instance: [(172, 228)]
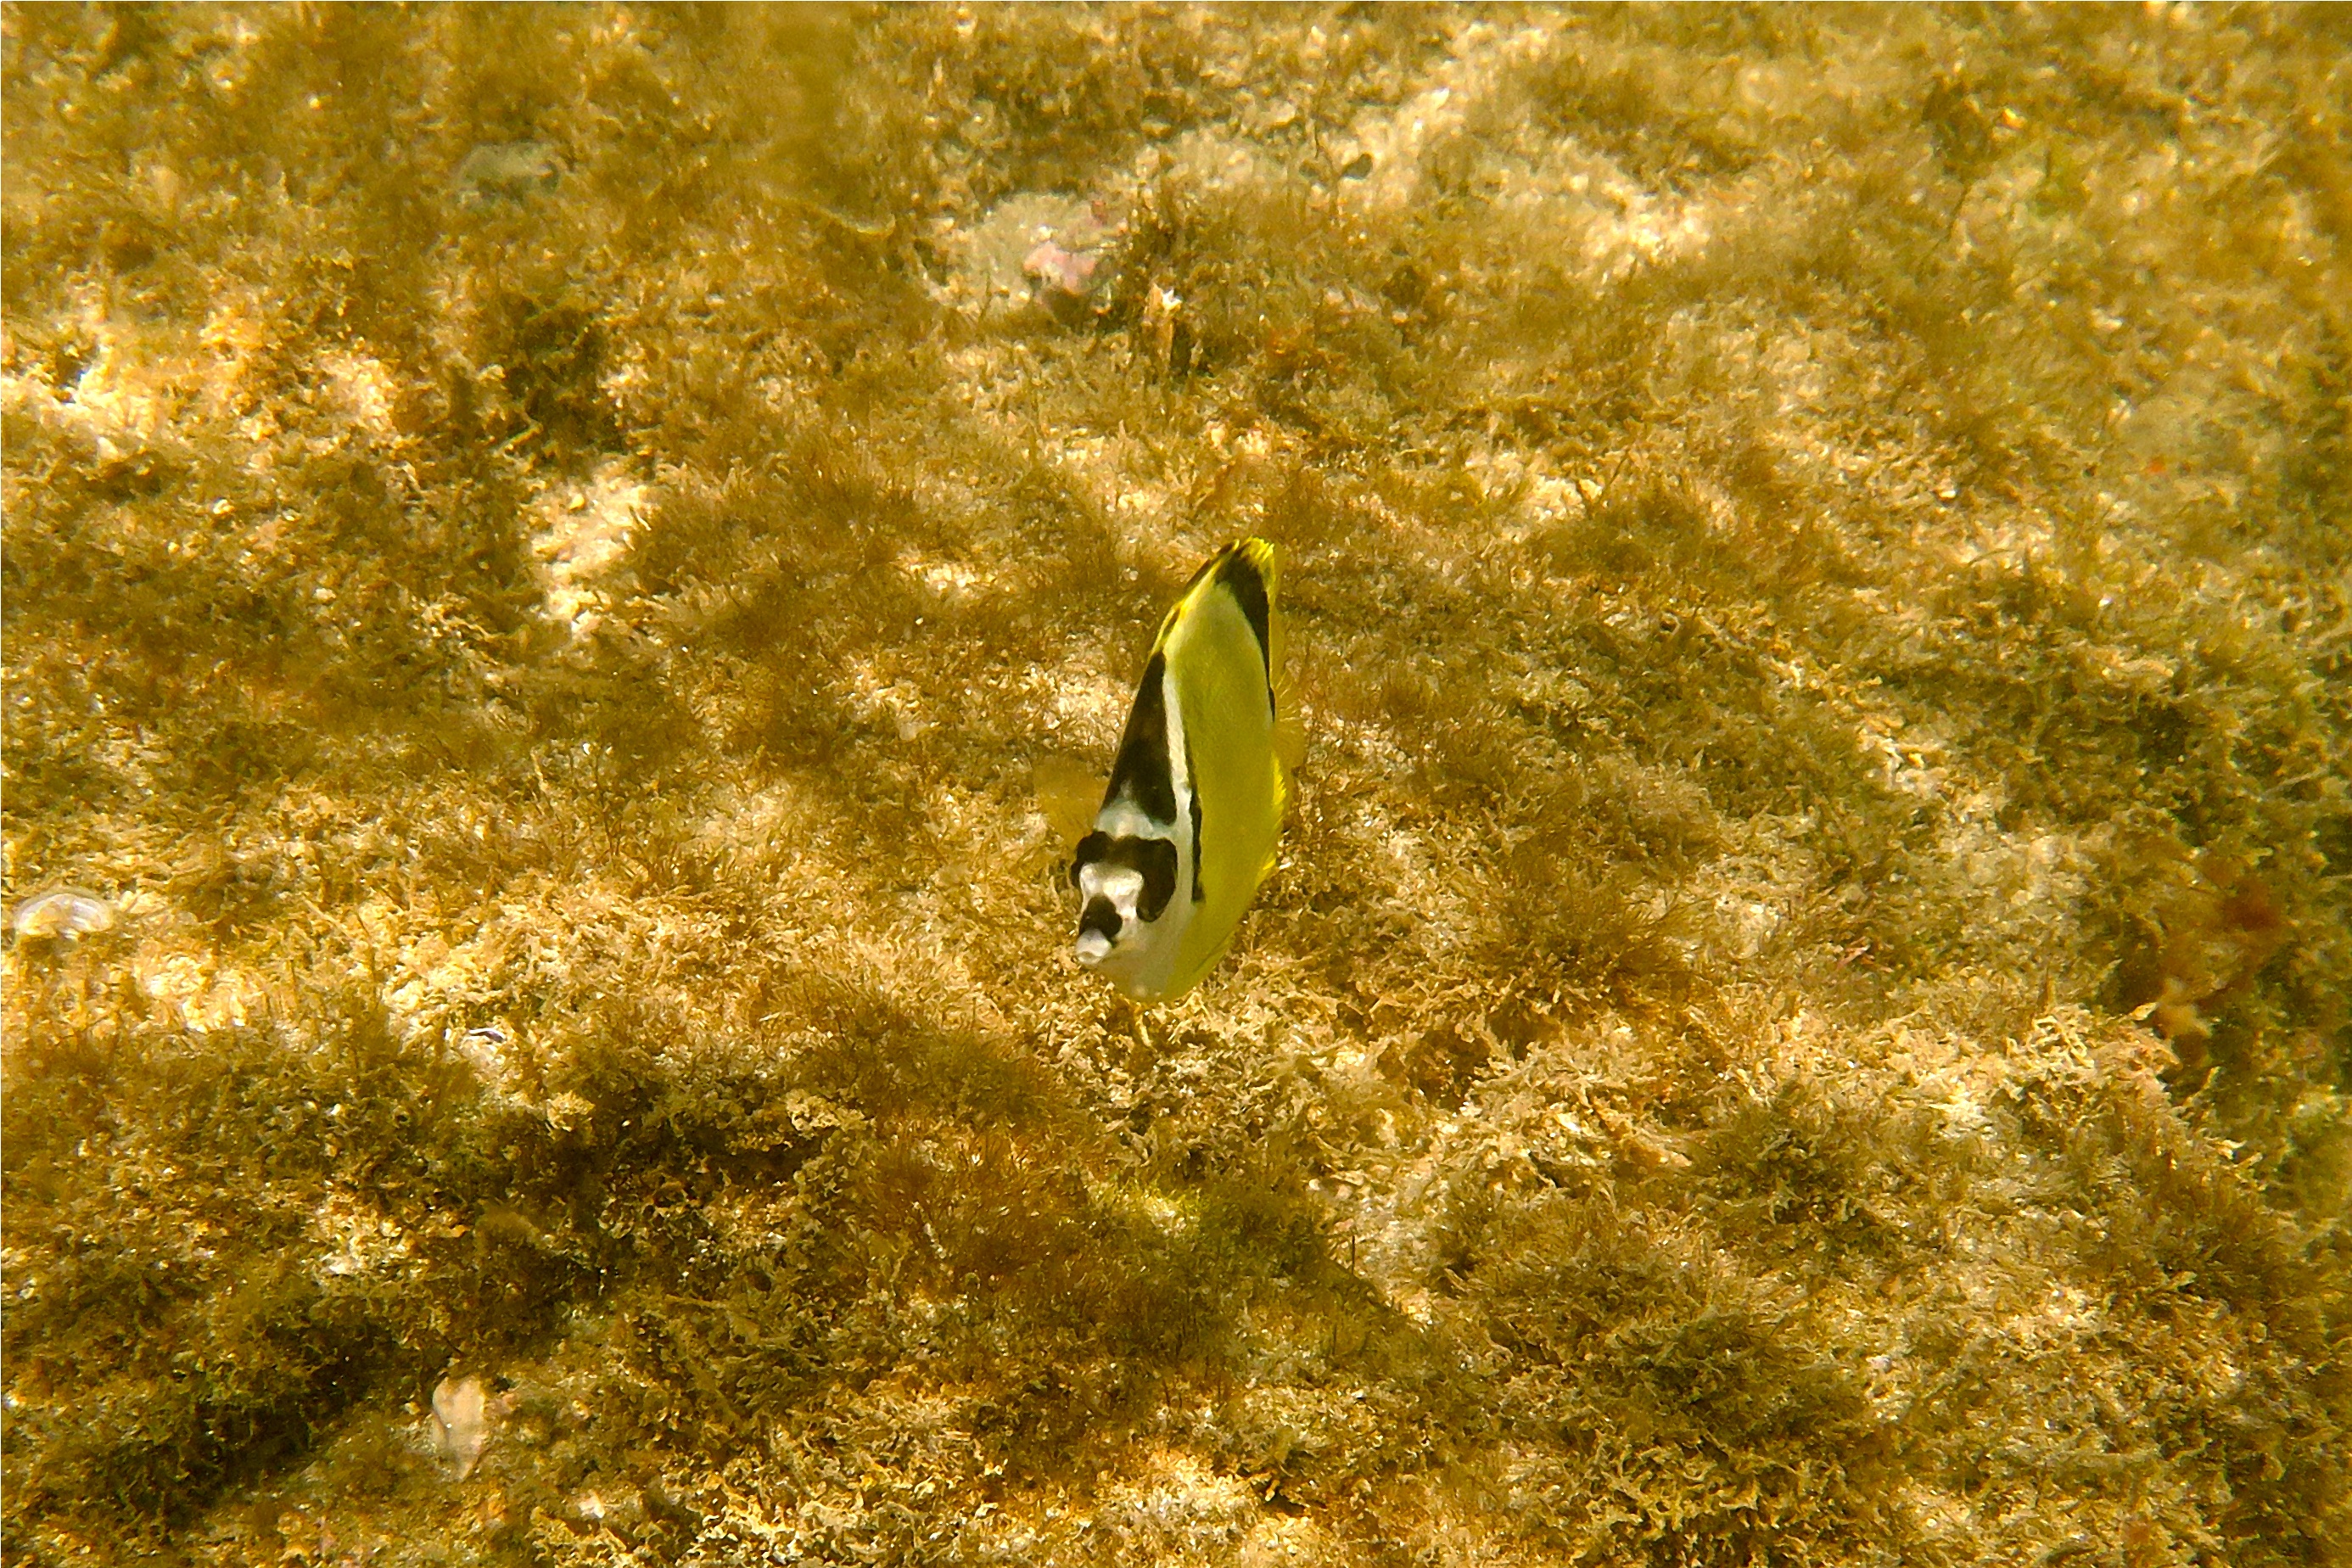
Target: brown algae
[(560, 562)]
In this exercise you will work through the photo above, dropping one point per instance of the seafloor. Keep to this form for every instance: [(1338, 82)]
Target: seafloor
[(1806, 1011)]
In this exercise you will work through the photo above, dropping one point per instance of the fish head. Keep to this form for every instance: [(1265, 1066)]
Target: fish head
[(1124, 882), (1107, 915)]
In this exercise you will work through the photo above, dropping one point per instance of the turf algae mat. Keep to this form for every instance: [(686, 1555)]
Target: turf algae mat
[(1801, 1016)]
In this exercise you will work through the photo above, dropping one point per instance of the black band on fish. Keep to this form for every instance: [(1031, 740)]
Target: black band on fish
[(1240, 575), (1194, 802), (1155, 858), (1099, 916), (1141, 772)]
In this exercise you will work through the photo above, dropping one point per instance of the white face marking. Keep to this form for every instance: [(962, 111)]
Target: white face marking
[(1122, 885), (1139, 956)]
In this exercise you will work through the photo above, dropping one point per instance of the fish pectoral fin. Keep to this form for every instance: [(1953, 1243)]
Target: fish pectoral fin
[(1289, 724), (1068, 794)]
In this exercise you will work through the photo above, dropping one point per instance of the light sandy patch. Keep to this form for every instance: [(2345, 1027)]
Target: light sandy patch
[(583, 529)]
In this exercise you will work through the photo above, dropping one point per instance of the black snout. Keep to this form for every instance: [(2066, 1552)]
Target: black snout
[(1099, 915)]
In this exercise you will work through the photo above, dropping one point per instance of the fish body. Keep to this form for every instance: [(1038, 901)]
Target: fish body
[(1189, 823)]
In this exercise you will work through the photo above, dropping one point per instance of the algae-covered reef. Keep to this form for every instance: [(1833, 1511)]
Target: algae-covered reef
[(1803, 1014)]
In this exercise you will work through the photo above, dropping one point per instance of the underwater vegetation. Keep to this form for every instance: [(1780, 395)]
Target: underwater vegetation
[(552, 559)]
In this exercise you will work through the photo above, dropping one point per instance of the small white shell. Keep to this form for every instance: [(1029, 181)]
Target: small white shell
[(461, 1423), (63, 912)]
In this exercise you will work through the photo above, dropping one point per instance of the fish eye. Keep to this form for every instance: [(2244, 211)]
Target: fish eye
[(1093, 848)]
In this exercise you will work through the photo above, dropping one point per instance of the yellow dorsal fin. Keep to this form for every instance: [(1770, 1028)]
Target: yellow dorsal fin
[(1265, 557), (1289, 728)]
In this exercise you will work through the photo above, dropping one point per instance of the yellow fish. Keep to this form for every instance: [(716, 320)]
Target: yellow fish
[(1188, 825)]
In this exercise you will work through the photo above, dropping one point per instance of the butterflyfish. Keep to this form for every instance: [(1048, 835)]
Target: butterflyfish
[(1188, 825)]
